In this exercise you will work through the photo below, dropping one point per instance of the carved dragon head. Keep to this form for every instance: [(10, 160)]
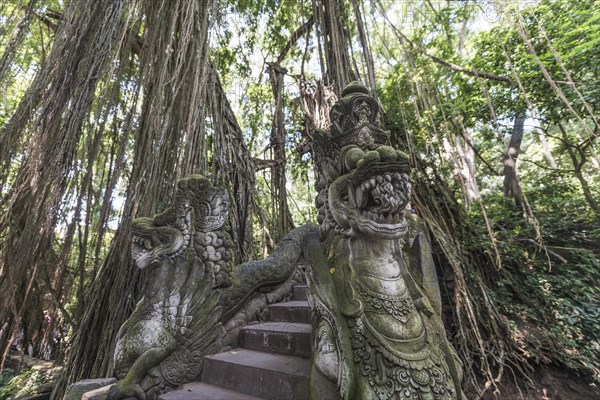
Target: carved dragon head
[(195, 220), (365, 184)]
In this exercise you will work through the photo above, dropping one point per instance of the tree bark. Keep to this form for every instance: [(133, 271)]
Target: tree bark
[(329, 16), (174, 79), (512, 188), (283, 221), (578, 164), (463, 158), (369, 64), (232, 167), (65, 85)]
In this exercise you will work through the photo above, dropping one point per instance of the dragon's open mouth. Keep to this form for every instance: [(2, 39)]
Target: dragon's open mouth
[(382, 197), (372, 196), (379, 192)]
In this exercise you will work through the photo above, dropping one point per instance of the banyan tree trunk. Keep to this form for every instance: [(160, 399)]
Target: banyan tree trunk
[(175, 62), (49, 119)]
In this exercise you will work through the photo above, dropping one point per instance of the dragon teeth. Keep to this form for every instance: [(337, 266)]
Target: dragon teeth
[(361, 198), (351, 195)]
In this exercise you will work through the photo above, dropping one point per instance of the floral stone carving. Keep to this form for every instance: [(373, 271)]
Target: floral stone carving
[(376, 312)]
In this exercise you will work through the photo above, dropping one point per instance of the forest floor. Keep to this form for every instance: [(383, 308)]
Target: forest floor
[(24, 376), (547, 383)]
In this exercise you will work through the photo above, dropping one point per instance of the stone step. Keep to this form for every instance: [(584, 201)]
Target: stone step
[(204, 391), (271, 376), (290, 338), (291, 311), (300, 293)]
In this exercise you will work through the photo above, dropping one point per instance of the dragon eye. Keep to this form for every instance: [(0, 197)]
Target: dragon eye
[(352, 157), (204, 208)]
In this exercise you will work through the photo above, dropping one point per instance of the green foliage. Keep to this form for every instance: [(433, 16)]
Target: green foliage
[(20, 384), (553, 306), (254, 31), (565, 37), (552, 310)]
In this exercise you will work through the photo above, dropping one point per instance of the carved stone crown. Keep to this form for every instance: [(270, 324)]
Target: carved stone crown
[(363, 183), (354, 119)]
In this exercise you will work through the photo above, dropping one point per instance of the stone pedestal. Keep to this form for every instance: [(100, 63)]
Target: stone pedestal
[(77, 390)]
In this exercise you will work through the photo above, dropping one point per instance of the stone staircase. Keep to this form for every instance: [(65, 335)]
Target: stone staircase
[(273, 361)]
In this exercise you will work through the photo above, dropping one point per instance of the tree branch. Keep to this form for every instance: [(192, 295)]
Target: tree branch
[(452, 66), (260, 164), (536, 244), (302, 30), (546, 167)]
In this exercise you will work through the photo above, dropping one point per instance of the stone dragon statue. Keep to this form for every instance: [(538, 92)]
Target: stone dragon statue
[(188, 255), (376, 312), (194, 287)]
